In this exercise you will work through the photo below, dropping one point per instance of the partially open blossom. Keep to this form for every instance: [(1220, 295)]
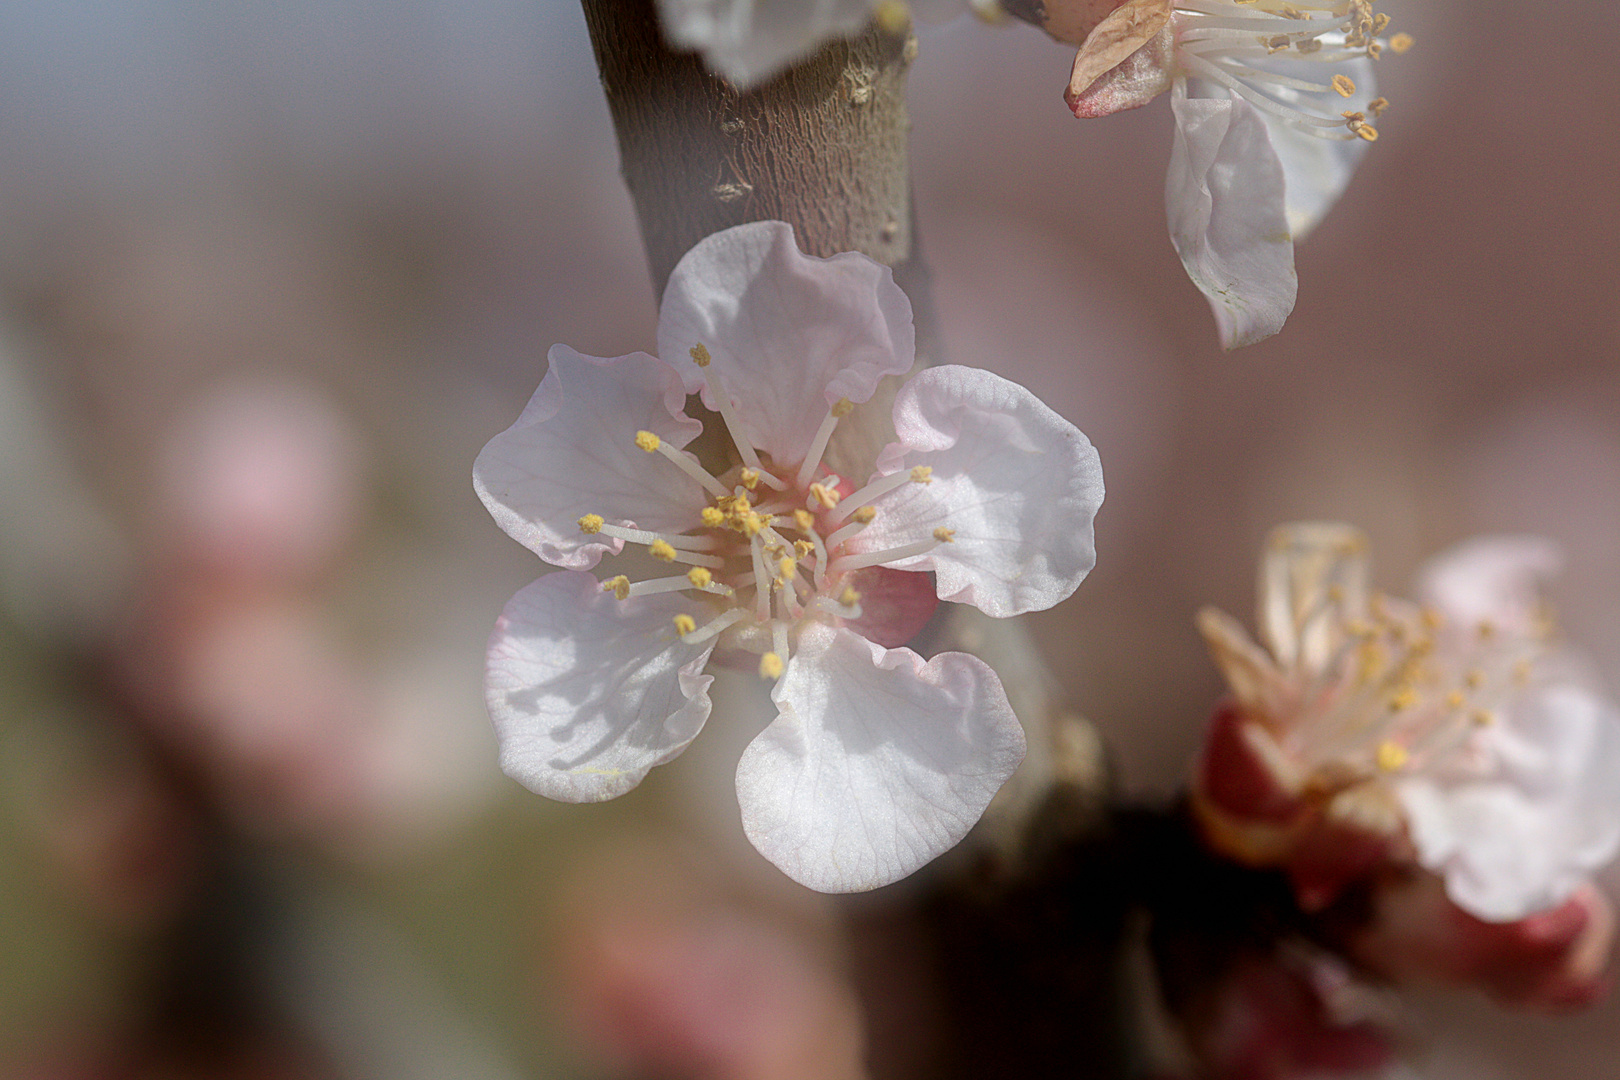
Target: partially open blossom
[(876, 761), (1456, 733), (748, 41), (1274, 104)]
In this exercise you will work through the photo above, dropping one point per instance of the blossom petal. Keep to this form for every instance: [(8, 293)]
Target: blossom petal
[(748, 41), (1524, 837), (790, 334), (876, 762), (573, 453), (1225, 200), (588, 692), (1016, 483), (1492, 579), (1315, 170)]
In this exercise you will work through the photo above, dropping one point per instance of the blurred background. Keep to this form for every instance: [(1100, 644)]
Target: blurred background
[(270, 276)]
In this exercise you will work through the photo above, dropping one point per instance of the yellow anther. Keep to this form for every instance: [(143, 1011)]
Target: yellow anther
[(1475, 679), (849, 597), (893, 16), (1289, 11), (944, 535), (824, 495), (1401, 42), (699, 577), (713, 516), (1308, 45), (647, 441), (803, 548), (591, 524), (922, 474), (700, 355), (1391, 756), (1455, 699), (749, 523), (685, 624), (661, 550), (842, 407), (770, 666), (1370, 661), (864, 515), (786, 565), (618, 586), (1363, 129), (1402, 699), (1276, 43), (1482, 718), (1343, 85), (1380, 23), (804, 519), (750, 478)]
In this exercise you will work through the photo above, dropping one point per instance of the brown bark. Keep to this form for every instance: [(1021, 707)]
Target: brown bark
[(822, 146)]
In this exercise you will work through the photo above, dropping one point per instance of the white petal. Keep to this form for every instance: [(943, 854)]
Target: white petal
[(1522, 838), (1316, 170), (748, 41), (876, 762), (1017, 484), (790, 334), (1494, 579), (588, 692), (1224, 200), (573, 453)]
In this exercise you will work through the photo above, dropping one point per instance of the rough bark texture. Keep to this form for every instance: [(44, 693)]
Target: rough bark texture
[(822, 146)]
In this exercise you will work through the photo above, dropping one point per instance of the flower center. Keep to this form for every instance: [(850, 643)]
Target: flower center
[(1404, 691), (766, 549), (1219, 40)]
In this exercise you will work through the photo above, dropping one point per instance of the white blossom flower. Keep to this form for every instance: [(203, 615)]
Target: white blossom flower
[(876, 761), (1460, 717), (1274, 103), (748, 41)]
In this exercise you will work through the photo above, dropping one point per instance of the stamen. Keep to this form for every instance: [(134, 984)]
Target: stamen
[(651, 443), (722, 405), (780, 640), (762, 577), (679, 583), (826, 496), (685, 624), (715, 626), (845, 563), (1344, 86), (770, 666), (818, 446), (922, 474), (619, 586), (1391, 756), (1401, 42), (592, 524)]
